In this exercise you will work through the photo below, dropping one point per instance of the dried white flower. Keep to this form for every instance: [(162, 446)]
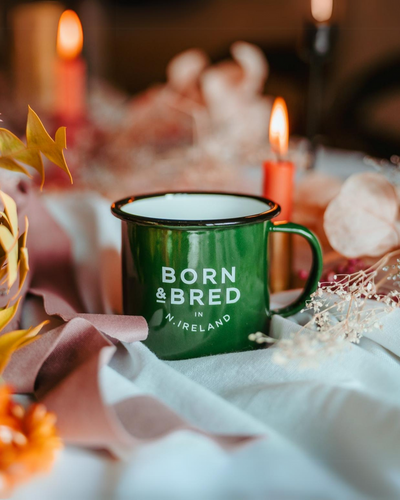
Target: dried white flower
[(343, 311)]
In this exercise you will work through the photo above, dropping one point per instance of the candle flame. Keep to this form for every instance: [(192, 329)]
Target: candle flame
[(279, 127), (321, 10), (69, 35)]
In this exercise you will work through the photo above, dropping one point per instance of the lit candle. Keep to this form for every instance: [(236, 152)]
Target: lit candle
[(320, 35), (70, 70), (279, 173), (278, 187), (321, 10)]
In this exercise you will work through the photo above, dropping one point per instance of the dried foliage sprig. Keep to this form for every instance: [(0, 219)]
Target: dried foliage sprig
[(13, 250), (28, 439), (14, 154), (342, 312)]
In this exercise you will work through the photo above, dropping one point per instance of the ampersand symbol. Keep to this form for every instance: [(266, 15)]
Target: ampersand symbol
[(161, 294)]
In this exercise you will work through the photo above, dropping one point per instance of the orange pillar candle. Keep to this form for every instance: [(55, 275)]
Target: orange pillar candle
[(70, 70), (34, 27), (278, 186), (279, 174)]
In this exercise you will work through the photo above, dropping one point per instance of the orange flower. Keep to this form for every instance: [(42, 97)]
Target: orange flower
[(28, 441)]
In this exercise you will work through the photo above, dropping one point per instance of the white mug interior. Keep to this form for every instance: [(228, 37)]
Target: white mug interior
[(196, 206)]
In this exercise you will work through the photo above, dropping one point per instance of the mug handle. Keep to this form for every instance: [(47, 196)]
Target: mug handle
[(316, 268)]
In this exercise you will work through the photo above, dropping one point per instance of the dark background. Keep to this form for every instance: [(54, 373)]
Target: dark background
[(129, 42)]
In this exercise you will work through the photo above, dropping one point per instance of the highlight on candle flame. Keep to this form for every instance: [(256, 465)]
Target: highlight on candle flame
[(69, 35), (321, 10), (279, 127)]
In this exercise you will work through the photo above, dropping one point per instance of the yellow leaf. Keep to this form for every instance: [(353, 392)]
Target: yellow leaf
[(4, 222), (12, 148), (10, 211), (23, 238), (14, 151), (37, 137), (61, 137), (32, 332), (12, 165), (10, 342), (23, 263), (23, 269), (32, 157), (3, 274), (7, 314), (7, 239), (10, 143), (12, 267), (10, 246)]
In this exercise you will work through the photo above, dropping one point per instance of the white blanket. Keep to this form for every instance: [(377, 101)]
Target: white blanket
[(329, 433)]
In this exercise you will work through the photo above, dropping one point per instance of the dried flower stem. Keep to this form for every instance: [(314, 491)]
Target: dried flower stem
[(343, 310)]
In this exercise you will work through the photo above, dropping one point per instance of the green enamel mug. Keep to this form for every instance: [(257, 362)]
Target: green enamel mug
[(196, 266)]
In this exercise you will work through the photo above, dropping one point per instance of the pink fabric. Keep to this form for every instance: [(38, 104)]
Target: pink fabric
[(62, 367)]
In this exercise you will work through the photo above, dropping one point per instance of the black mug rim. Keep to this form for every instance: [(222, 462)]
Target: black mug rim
[(272, 212)]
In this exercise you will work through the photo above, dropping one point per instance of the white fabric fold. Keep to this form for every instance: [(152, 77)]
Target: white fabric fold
[(331, 432)]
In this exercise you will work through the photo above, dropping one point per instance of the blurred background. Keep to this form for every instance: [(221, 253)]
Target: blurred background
[(130, 42)]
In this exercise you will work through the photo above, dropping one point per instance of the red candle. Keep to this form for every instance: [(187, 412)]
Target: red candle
[(279, 174), (70, 70)]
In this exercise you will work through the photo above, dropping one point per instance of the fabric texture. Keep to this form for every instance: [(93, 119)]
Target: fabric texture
[(61, 368), (331, 432)]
